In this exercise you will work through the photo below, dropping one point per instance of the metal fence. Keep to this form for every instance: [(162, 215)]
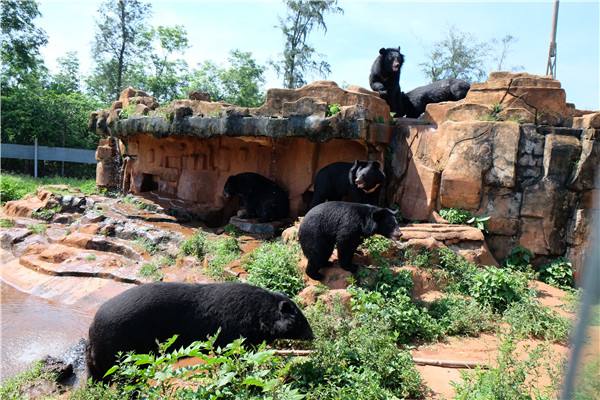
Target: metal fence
[(36, 153)]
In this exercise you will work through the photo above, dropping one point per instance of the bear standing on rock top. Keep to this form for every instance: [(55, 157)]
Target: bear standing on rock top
[(344, 224), (451, 89), (138, 317), (385, 78), (360, 182), (261, 196)]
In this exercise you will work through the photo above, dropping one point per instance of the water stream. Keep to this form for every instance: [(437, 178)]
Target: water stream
[(32, 327)]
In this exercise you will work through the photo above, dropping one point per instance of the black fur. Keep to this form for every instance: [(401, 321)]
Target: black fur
[(136, 318), (385, 78), (361, 182), (344, 224), (261, 196), (415, 101)]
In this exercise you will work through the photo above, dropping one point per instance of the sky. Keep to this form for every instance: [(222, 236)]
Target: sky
[(353, 39)]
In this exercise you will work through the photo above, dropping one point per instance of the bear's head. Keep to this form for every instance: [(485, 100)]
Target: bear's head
[(386, 223), (391, 60), (367, 175), (230, 188)]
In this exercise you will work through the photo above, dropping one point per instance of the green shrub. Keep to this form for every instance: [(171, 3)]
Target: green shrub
[(274, 266), (498, 287), (10, 188), (407, 320), (518, 259), (462, 316), (558, 274), (356, 357)]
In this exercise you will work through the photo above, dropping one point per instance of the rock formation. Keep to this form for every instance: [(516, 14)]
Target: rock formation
[(512, 149)]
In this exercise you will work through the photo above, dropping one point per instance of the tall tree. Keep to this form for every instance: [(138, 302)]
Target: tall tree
[(116, 46), (21, 42), (458, 55), (297, 58), (166, 79), (67, 80), (240, 84)]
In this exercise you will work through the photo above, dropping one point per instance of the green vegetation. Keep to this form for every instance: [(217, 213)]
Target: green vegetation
[(7, 223), (332, 109), (558, 274), (15, 187), (462, 217), (511, 377), (39, 229), (194, 246), (274, 266)]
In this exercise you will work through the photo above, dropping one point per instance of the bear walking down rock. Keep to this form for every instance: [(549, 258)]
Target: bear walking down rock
[(385, 78), (261, 196), (360, 182), (415, 101), (344, 224), (136, 318)]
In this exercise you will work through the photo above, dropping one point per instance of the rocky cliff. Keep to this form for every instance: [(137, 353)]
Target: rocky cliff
[(512, 149)]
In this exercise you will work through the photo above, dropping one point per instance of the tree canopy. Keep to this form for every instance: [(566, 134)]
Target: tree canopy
[(298, 56)]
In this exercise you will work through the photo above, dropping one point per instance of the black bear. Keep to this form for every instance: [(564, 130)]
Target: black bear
[(138, 317), (261, 196), (451, 89), (385, 78), (344, 224), (360, 182)]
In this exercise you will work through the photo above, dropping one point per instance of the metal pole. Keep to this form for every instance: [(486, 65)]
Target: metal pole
[(551, 66), (35, 158)]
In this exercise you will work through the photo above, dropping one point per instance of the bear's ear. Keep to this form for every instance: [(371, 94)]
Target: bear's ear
[(285, 307), (382, 51), (376, 164), (380, 214), (398, 49)]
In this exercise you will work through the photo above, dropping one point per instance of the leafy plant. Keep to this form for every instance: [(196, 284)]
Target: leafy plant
[(479, 222), (383, 277), (90, 257), (274, 266), (518, 259), (559, 273), (332, 109), (498, 287), (379, 119), (231, 372), (455, 216)]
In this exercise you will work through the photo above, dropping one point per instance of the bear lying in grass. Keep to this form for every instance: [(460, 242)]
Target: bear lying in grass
[(138, 317), (345, 225)]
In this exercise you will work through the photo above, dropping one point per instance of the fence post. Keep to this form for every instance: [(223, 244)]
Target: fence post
[(35, 158)]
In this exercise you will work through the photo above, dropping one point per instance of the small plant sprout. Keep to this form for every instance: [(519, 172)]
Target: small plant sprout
[(332, 109)]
